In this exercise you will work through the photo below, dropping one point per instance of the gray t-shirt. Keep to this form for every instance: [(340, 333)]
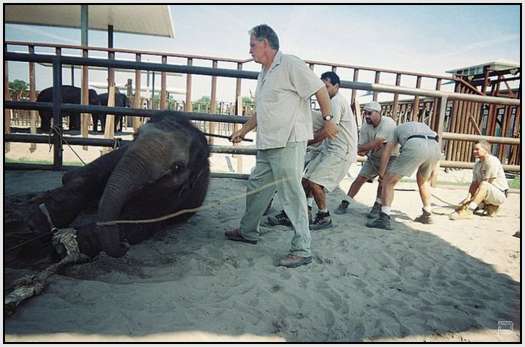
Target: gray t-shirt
[(405, 130), (490, 168), (345, 143), (385, 129), (282, 102)]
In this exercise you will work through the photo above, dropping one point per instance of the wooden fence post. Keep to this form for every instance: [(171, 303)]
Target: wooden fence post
[(376, 80), (415, 106), (188, 106), (109, 131), (32, 97), (163, 95), (396, 100), (137, 122), (213, 102), (7, 112), (84, 92)]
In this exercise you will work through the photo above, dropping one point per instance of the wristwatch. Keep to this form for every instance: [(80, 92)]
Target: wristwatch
[(327, 117)]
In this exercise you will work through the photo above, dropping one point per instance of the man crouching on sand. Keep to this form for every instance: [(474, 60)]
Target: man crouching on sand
[(489, 186), (284, 125)]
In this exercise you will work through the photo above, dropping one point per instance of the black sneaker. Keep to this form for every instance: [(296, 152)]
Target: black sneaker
[(381, 222), (343, 206), (280, 219), (322, 221), (374, 212)]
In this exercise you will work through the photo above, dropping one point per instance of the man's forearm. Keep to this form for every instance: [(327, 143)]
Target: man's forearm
[(473, 187), (250, 124), (385, 156), (370, 145)]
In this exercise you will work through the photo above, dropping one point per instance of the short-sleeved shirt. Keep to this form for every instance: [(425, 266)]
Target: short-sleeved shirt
[(282, 102), (405, 130), (490, 168), (385, 129), (345, 143)]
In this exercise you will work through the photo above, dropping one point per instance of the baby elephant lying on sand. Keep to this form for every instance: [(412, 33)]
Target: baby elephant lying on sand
[(164, 170)]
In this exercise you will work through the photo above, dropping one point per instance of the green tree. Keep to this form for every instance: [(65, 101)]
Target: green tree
[(18, 89)]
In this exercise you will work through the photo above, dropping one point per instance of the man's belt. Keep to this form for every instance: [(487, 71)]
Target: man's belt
[(435, 138)]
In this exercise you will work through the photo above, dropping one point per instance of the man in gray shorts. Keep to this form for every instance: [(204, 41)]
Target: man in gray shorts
[(489, 185), (419, 150), (374, 134)]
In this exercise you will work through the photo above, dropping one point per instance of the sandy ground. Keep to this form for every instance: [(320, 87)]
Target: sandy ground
[(452, 281)]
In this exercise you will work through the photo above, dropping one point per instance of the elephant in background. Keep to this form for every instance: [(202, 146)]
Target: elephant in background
[(165, 169), (70, 95), (121, 100)]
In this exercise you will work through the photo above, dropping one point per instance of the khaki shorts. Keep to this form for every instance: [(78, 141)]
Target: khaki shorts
[(311, 153), (494, 196), (371, 166), (327, 169), (417, 154)]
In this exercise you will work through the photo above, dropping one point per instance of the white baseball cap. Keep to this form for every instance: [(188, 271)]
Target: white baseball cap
[(373, 106)]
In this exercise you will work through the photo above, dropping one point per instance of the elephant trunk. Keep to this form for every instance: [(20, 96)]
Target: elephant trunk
[(131, 173)]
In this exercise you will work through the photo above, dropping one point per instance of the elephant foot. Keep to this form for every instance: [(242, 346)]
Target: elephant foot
[(110, 240)]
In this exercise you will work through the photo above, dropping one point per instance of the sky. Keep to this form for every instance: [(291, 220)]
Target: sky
[(419, 38)]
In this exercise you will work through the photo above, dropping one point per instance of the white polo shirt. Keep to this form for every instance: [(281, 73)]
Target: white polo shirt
[(490, 168), (282, 102), (345, 143)]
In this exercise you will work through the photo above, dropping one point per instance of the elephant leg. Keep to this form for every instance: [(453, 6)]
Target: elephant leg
[(27, 230), (94, 118), (45, 120), (74, 121), (103, 122)]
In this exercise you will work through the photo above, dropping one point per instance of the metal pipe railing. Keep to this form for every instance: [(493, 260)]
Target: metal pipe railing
[(133, 112), (57, 106), (198, 70), (472, 137)]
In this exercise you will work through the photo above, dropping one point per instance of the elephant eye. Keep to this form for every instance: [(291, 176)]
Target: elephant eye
[(178, 166)]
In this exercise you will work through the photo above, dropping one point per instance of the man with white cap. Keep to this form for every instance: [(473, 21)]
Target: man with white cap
[(419, 150), (375, 132)]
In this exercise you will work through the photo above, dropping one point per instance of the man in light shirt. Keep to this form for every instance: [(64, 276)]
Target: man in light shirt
[(489, 185), (374, 134), (328, 160), (326, 170), (284, 125)]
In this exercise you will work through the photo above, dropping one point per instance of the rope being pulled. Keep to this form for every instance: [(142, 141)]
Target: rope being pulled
[(192, 210)]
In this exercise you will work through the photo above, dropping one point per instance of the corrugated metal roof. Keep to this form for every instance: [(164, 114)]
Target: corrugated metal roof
[(136, 19), (478, 69)]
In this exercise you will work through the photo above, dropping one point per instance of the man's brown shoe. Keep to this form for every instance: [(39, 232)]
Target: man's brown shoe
[(491, 210), (425, 218), (294, 261), (235, 235), (461, 214)]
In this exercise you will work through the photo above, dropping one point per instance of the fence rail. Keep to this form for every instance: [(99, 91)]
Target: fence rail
[(57, 106)]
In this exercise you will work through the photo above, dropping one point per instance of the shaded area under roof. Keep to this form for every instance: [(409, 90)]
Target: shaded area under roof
[(134, 19)]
